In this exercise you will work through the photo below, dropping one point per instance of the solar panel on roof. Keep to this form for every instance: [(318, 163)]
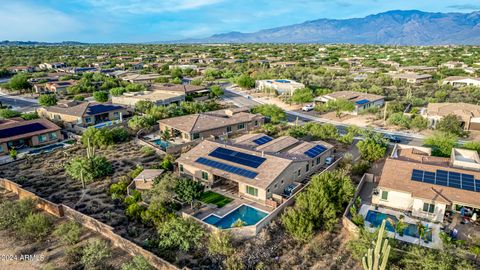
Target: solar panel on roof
[(227, 168), (263, 140), (102, 108), (315, 151), (237, 157), (447, 179), (363, 101), (15, 131)]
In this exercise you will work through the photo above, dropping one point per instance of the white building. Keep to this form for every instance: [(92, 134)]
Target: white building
[(283, 87), (458, 81), (414, 181)]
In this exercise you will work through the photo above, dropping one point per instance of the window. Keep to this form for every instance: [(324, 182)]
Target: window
[(384, 195), (318, 160), (181, 167), (428, 207), (240, 126), (42, 138), (252, 191), (195, 136), (1, 149), (256, 123), (53, 136), (307, 167), (275, 186), (229, 129), (299, 172), (88, 120), (313, 163), (204, 175)]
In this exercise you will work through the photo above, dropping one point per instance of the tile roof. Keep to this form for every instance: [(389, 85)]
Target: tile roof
[(16, 130), (185, 88), (84, 108), (353, 96), (464, 110)]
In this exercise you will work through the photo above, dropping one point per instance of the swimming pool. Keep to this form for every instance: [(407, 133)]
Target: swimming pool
[(376, 218), (246, 213), (163, 144)]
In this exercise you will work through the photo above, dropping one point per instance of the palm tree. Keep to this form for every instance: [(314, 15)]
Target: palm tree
[(421, 231), (399, 226)]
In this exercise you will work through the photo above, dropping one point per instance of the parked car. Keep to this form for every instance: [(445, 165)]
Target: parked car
[(329, 160), (308, 108), (392, 138)]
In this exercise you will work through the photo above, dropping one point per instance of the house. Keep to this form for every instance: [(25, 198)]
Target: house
[(283, 64), (32, 133), (58, 87), (215, 123), (412, 180), (182, 66), (254, 166), (158, 97), (283, 87), (144, 181), (361, 100), (181, 88), (454, 64), (459, 81), (73, 114), (141, 78), (17, 69), (413, 78), (52, 65), (417, 69), (468, 113)]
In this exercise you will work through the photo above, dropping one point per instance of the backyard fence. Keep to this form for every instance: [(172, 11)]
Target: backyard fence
[(105, 230)]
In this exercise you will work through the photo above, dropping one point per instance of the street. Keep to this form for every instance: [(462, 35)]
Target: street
[(241, 100), (21, 104)]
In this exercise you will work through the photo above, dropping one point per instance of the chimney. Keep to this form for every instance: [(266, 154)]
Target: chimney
[(263, 153)]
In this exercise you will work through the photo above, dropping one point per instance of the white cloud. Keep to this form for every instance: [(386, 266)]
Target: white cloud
[(22, 21), (152, 6)]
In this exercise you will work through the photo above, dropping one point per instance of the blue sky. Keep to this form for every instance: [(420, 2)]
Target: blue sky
[(161, 20)]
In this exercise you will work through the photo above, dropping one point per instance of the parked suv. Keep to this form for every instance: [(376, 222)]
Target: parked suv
[(308, 108)]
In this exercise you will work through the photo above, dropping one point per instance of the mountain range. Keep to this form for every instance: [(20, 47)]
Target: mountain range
[(396, 27)]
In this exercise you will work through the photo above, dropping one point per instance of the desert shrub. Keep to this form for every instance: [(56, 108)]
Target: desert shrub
[(95, 253), (147, 151), (137, 263), (69, 232), (119, 190), (88, 169), (180, 233), (12, 214), (35, 226), (360, 167)]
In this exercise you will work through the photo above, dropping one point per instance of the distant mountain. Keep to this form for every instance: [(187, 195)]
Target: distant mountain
[(397, 27), (39, 43)]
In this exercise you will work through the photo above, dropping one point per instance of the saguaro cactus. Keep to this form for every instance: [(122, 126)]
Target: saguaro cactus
[(376, 259)]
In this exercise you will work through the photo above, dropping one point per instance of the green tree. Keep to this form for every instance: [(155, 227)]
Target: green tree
[(143, 106), (216, 90), (138, 122), (167, 162), (30, 116), (138, 263), (13, 153), (188, 190), (441, 143), (303, 95), (245, 81), (100, 96), (95, 253), (319, 206), (472, 145), (220, 243), (399, 119), (47, 100), (451, 124), (271, 111), (7, 113), (180, 233), (117, 91), (88, 169), (19, 82), (372, 147), (419, 123)]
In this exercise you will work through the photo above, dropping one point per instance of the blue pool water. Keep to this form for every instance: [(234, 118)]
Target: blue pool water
[(248, 214), (376, 218), (163, 144)]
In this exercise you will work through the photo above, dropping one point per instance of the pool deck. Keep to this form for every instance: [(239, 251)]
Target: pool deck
[(436, 242)]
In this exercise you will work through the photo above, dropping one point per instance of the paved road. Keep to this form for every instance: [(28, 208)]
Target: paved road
[(19, 103), (240, 100)]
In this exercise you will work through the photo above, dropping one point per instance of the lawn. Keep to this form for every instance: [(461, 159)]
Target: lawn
[(215, 198)]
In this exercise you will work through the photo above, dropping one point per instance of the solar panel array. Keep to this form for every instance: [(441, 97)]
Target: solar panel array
[(15, 131), (102, 108), (227, 168), (315, 151), (237, 157), (363, 101), (262, 140), (447, 179)]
